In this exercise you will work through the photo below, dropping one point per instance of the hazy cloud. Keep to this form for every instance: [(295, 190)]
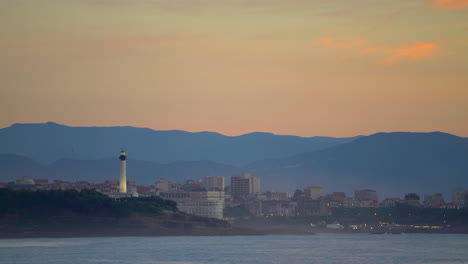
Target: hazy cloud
[(391, 55), (451, 4)]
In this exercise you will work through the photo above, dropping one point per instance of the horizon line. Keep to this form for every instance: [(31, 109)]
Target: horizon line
[(227, 135)]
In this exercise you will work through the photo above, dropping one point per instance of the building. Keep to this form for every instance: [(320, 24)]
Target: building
[(350, 202), (450, 206), (213, 182), (275, 196), (206, 196), (25, 181), (41, 181), (366, 198), (390, 202), (163, 185), (123, 172), (368, 203), (434, 201), (367, 194), (333, 204), (178, 196), (310, 207), (212, 209), (278, 208), (244, 185), (458, 197), (254, 207), (412, 199), (313, 192), (336, 197)]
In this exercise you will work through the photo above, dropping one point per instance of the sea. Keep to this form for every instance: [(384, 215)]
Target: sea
[(321, 248)]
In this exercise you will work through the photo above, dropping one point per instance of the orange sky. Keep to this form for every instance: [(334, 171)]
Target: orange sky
[(302, 67)]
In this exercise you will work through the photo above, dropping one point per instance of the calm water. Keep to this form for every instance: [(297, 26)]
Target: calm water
[(329, 248)]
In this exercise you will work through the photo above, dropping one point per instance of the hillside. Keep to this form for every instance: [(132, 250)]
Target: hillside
[(393, 163), (69, 213), (143, 172), (49, 142)]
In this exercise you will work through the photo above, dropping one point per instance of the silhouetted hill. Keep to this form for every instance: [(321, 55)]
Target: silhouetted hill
[(49, 142), (144, 172), (393, 163), (13, 167)]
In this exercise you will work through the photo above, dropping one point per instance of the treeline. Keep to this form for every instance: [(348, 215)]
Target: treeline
[(72, 202)]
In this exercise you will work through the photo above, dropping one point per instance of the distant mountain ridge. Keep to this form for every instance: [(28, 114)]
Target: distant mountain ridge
[(398, 161), (48, 142), (392, 163)]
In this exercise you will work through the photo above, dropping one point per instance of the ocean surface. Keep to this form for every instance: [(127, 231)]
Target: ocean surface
[(322, 248)]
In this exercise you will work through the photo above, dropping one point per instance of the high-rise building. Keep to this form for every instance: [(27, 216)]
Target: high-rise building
[(243, 185), (123, 172), (213, 182)]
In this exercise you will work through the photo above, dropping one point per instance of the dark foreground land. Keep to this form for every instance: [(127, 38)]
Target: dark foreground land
[(171, 224), (69, 213)]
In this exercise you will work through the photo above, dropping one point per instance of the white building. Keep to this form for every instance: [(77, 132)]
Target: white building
[(213, 209)]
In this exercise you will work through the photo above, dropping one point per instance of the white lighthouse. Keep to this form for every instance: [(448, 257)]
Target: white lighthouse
[(123, 172)]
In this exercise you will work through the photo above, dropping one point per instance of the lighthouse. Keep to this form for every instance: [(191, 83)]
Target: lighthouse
[(123, 172)]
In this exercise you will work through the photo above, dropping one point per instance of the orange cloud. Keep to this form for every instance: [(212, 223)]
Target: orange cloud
[(451, 4), (417, 51)]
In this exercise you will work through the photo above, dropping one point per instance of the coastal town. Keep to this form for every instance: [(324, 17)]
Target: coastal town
[(210, 196)]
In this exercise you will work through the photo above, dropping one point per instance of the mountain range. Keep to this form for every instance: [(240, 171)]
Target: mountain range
[(392, 163), (389, 162), (48, 142)]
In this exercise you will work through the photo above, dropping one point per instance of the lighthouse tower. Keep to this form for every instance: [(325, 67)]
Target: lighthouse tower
[(123, 172)]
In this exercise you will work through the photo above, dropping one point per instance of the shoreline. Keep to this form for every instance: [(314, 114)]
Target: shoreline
[(175, 224)]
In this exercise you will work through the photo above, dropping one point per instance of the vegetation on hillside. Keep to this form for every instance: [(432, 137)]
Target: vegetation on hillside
[(85, 202)]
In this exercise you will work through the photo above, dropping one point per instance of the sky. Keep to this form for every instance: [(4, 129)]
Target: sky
[(299, 67)]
